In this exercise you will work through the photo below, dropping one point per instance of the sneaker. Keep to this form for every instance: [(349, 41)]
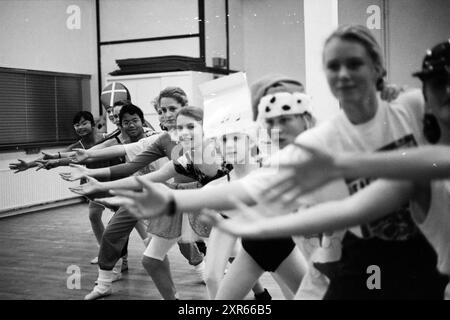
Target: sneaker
[(96, 293), (200, 271), (265, 295), (94, 261), (201, 247)]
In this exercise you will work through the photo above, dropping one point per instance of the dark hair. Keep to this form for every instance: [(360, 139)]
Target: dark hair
[(106, 100), (131, 109), (191, 112), (272, 83), (86, 115), (363, 36), (175, 93), (122, 102), (436, 62)]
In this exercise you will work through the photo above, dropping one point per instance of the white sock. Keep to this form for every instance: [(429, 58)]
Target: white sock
[(200, 266)]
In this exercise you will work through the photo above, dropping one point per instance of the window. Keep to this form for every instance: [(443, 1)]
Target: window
[(37, 107)]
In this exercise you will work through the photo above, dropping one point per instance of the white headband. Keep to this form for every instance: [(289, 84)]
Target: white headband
[(283, 103), (236, 123)]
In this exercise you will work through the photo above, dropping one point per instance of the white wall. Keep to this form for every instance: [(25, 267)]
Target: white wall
[(410, 27), (215, 30), (266, 36), (146, 19), (109, 54), (321, 18), (134, 19), (273, 38), (414, 26)]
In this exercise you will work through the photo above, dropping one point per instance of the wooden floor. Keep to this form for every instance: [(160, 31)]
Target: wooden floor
[(37, 249)]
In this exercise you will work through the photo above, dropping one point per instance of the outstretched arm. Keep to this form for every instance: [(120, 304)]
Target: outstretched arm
[(371, 203), (79, 172), (129, 183), (165, 173)]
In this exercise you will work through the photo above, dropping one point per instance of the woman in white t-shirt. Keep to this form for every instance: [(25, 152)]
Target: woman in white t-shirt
[(191, 164)]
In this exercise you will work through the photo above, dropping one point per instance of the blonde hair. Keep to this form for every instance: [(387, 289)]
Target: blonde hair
[(272, 83)]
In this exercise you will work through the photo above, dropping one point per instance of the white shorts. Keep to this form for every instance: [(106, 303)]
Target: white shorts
[(159, 247), (447, 292)]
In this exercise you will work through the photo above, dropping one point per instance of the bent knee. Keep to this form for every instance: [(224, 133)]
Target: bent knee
[(151, 263)]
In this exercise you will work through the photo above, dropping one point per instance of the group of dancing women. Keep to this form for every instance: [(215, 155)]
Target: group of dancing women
[(354, 207)]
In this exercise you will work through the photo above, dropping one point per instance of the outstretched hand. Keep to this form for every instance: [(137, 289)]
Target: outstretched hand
[(114, 201), (19, 166), (300, 178), (46, 164), (50, 156), (77, 173), (152, 201)]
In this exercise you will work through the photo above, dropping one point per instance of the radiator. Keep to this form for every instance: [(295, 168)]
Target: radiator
[(31, 188)]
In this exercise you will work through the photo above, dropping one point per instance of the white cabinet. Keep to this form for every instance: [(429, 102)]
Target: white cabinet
[(145, 87)]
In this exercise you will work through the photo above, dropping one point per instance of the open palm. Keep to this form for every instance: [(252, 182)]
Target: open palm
[(79, 155), (152, 201), (305, 176), (77, 173), (19, 166), (47, 164), (49, 156), (243, 224)]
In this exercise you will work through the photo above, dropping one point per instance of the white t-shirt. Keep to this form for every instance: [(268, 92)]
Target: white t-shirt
[(395, 125)]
